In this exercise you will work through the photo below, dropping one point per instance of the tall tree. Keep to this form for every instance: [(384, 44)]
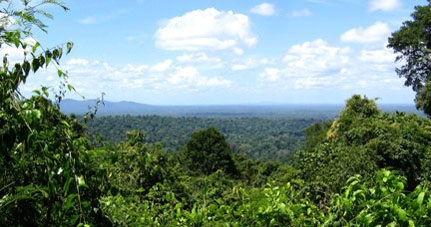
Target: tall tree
[(207, 151), (413, 42)]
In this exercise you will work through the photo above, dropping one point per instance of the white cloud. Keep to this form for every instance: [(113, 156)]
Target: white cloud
[(270, 74), (309, 65), (300, 13), (249, 63), (316, 56), (189, 78), (384, 5), (207, 29), (238, 51), (319, 66), (162, 66), (199, 57), (6, 20), (264, 9), (14, 54), (78, 61), (376, 32), (311, 82), (240, 67), (91, 77), (380, 56)]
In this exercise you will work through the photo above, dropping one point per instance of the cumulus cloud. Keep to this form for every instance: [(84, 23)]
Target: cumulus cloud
[(162, 66), (384, 5), (238, 51), (310, 82), (249, 63), (189, 78), (270, 74), (376, 32), (264, 9), (318, 65), (317, 56), (208, 29), (90, 77), (198, 57), (14, 54), (383, 55), (309, 65)]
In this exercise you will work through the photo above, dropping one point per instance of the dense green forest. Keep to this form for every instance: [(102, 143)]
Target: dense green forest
[(363, 168), (263, 138)]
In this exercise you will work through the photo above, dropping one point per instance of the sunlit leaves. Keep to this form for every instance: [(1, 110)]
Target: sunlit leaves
[(381, 203), (34, 47), (41, 149), (48, 57)]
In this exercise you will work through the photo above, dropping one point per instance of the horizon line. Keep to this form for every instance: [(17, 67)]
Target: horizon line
[(239, 104)]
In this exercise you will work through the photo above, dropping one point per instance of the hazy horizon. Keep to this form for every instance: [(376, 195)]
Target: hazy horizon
[(241, 104)]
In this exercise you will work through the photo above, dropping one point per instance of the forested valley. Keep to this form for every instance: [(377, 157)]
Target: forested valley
[(259, 138), (366, 167)]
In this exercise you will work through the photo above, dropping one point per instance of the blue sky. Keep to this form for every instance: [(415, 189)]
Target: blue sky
[(229, 52)]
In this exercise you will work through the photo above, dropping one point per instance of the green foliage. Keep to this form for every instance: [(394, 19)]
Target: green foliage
[(266, 139), (341, 182), (412, 42), (42, 152), (207, 151), (361, 141), (382, 202), (366, 168)]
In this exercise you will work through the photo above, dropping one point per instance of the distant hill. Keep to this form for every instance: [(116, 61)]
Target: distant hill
[(77, 107), (69, 106)]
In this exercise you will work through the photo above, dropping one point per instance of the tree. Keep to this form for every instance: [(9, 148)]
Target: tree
[(413, 42), (42, 151), (207, 151)]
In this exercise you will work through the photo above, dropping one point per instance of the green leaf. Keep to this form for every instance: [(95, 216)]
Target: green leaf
[(35, 64), (148, 159), (5, 61), (402, 214), (48, 56), (66, 185), (60, 73), (37, 114), (56, 54), (41, 60), (44, 91), (81, 181), (37, 92), (34, 48), (26, 66), (392, 224), (69, 201), (70, 87), (69, 47), (420, 198)]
